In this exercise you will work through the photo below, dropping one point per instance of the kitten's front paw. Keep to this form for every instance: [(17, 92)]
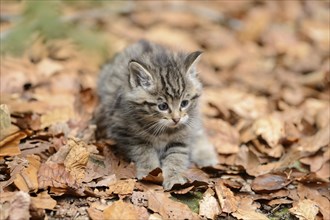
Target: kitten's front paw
[(175, 179), (141, 172)]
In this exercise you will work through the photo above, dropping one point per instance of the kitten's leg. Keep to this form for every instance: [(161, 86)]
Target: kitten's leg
[(175, 161), (202, 151), (145, 158)]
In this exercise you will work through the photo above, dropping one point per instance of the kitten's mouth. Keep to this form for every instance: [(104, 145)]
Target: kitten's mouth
[(173, 125)]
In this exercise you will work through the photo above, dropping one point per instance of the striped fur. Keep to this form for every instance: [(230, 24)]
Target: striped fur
[(132, 89)]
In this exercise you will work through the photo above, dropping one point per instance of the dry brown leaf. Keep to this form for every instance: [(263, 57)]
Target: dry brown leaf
[(48, 67), (196, 175), (255, 23), (275, 151), (116, 165), (316, 161), (248, 160), (95, 214), (5, 120), (184, 190), (139, 198), (224, 57), (305, 209), (55, 175), (324, 171), (10, 145), (154, 176), (245, 105), (15, 205), (43, 201), (247, 210), (120, 210), (228, 201), (77, 158), (224, 137), (174, 36), (314, 143), (168, 208), (280, 201), (311, 108), (305, 192), (36, 146), (269, 182), (27, 179), (122, 187), (56, 116), (102, 181), (15, 166), (155, 216), (270, 128), (209, 206)]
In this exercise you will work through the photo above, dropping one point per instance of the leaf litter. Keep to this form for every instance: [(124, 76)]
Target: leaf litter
[(265, 106)]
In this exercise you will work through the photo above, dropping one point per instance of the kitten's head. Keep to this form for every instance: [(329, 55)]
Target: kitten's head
[(165, 89)]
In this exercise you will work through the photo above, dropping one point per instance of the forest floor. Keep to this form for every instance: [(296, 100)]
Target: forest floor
[(266, 75)]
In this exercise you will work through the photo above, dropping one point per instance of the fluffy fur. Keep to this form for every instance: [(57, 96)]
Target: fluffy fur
[(149, 105)]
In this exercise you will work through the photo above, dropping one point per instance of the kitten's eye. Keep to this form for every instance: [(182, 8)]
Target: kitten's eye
[(163, 106), (184, 103)]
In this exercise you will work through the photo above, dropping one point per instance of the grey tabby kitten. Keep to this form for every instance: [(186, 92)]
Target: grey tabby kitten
[(149, 105)]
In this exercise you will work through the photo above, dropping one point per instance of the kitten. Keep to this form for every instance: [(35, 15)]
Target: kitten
[(149, 105)]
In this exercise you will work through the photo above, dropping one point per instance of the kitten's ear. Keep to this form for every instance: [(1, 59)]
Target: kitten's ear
[(191, 62), (139, 76)]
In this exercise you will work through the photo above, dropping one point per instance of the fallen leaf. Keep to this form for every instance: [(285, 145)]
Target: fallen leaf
[(122, 187), (27, 179), (116, 165), (15, 166), (323, 203), (228, 201), (57, 115), (95, 214), (314, 143), (224, 137), (270, 128), (168, 208), (269, 182), (155, 216), (305, 209), (276, 202), (5, 120), (10, 145), (255, 23), (48, 67), (55, 175), (197, 176), (247, 210), (103, 181), (43, 201), (209, 206), (154, 176), (77, 158), (246, 105), (17, 206), (120, 210), (139, 198)]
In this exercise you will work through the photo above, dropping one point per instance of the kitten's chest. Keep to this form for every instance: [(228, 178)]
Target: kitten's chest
[(162, 141), (160, 144)]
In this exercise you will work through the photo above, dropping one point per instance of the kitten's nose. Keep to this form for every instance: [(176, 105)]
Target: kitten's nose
[(176, 120)]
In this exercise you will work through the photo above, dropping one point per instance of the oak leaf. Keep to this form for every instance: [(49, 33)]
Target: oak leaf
[(305, 209), (168, 208), (43, 201), (209, 206), (27, 179)]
